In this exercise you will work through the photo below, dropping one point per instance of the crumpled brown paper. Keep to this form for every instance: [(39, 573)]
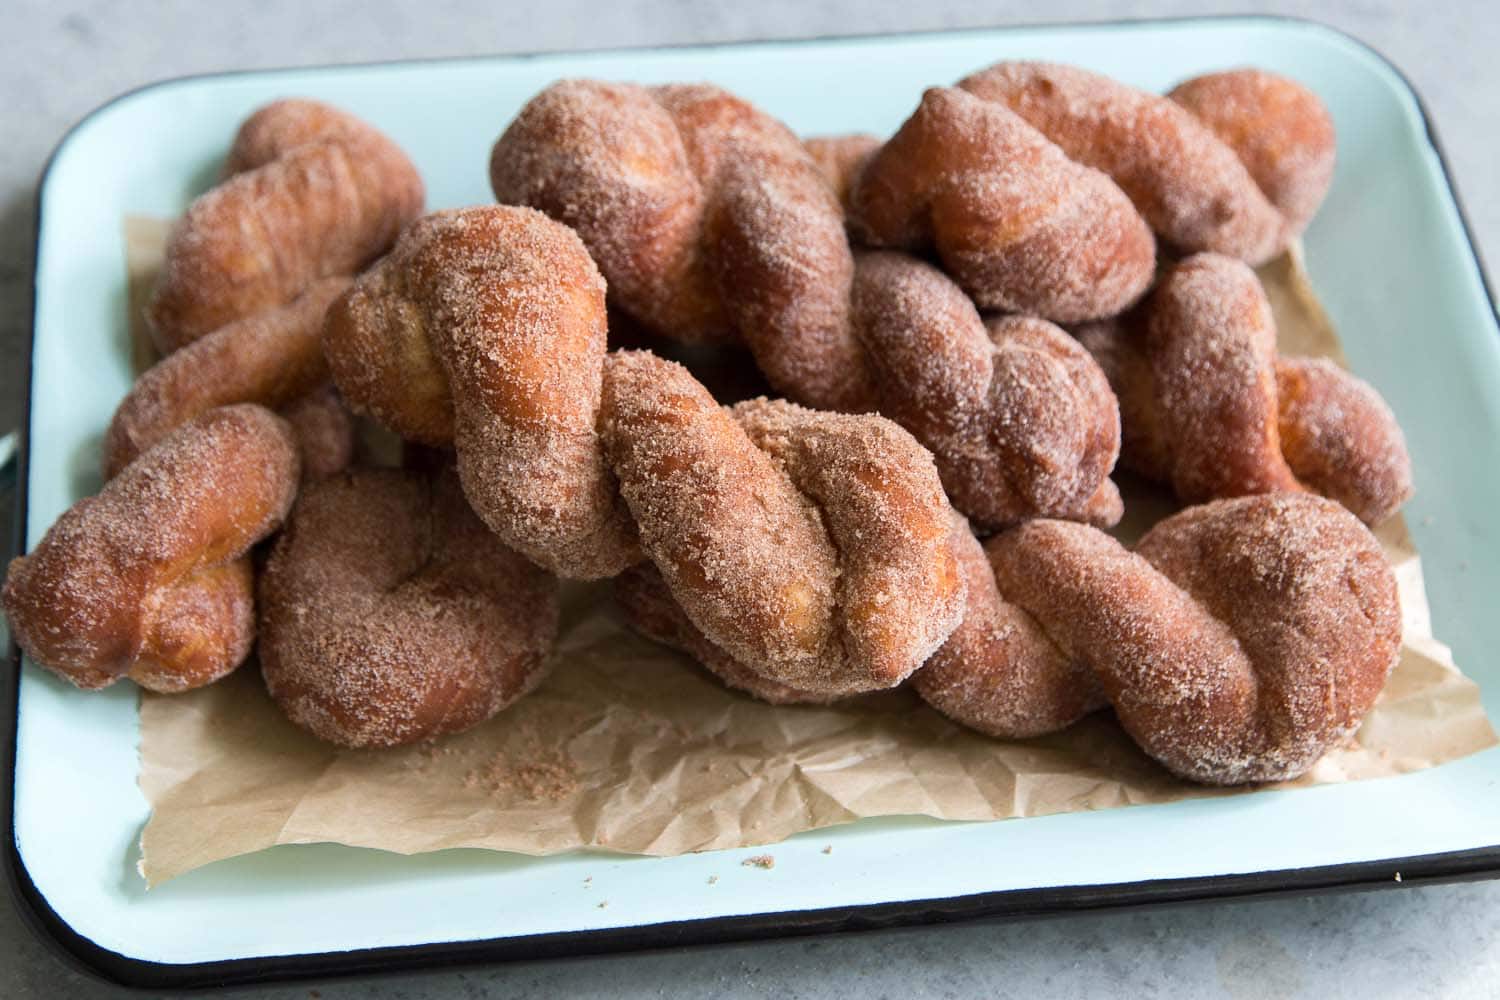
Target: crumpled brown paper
[(632, 748)]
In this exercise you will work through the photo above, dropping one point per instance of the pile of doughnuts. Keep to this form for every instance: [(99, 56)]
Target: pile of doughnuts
[(1042, 273)]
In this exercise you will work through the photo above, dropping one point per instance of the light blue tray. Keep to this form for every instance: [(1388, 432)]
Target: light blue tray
[(1389, 254)]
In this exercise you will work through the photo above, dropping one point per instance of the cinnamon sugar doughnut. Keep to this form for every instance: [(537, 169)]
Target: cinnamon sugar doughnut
[(1019, 225), (390, 615), (1190, 186), (146, 579), (318, 194), (708, 218), (840, 158), (484, 330), (1238, 643), (273, 358), (1020, 420), (1279, 130), (1207, 406), (761, 522)]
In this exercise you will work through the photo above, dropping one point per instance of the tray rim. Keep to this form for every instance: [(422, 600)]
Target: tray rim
[(82, 954)]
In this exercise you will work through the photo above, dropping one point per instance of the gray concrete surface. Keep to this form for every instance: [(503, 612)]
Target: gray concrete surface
[(58, 60)]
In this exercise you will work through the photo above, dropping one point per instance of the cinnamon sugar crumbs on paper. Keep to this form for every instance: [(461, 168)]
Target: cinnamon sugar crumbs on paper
[(532, 770), (762, 861)]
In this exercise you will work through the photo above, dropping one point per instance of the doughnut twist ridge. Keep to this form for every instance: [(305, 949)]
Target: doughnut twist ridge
[(149, 579), (312, 193), (390, 614), (1019, 225), (1208, 407), (1021, 421), (812, 545), (1234, 163)]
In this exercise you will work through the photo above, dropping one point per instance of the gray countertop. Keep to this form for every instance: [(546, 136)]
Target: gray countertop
[(61, 59)]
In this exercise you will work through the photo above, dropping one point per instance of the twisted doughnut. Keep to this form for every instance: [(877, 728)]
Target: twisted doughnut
[(811, 545), (1238, 642), (1278, 128), (1207, 406), (389, 614), (147, 579), (1020, 429), (312, 193), (1020, 420), (274, 358), (707, 217), (1190, 185), (1019, 225)]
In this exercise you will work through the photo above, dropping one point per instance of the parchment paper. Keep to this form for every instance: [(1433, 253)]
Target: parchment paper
[(632, 748)]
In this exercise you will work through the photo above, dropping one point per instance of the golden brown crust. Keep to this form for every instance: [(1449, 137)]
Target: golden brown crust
[(272, 358), (1239, 642), (1278, 128), (321, 195), (132, 580), (390, 614), (1021, 421), (1190, 186), (1207, 406), (752, 533), (1019, 225)]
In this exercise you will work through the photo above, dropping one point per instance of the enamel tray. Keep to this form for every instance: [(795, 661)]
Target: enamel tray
[(1389, 253)]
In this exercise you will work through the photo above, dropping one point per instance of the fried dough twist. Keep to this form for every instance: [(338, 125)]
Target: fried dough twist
[(1019, 225), (1234, 163), (147, 579), (390, 614), (1208, 406)]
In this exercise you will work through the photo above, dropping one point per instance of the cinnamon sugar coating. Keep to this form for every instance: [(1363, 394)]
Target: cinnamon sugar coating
[(272, 358), (317, 194), (1238, 643), (146, 578), (390, 614), (1190, 186), (1207, 405), (1020, 420), (1278, 128), (999, 673), (1019, 225)]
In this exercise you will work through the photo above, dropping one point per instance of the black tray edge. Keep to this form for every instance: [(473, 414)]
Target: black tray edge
[(84, 955)]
